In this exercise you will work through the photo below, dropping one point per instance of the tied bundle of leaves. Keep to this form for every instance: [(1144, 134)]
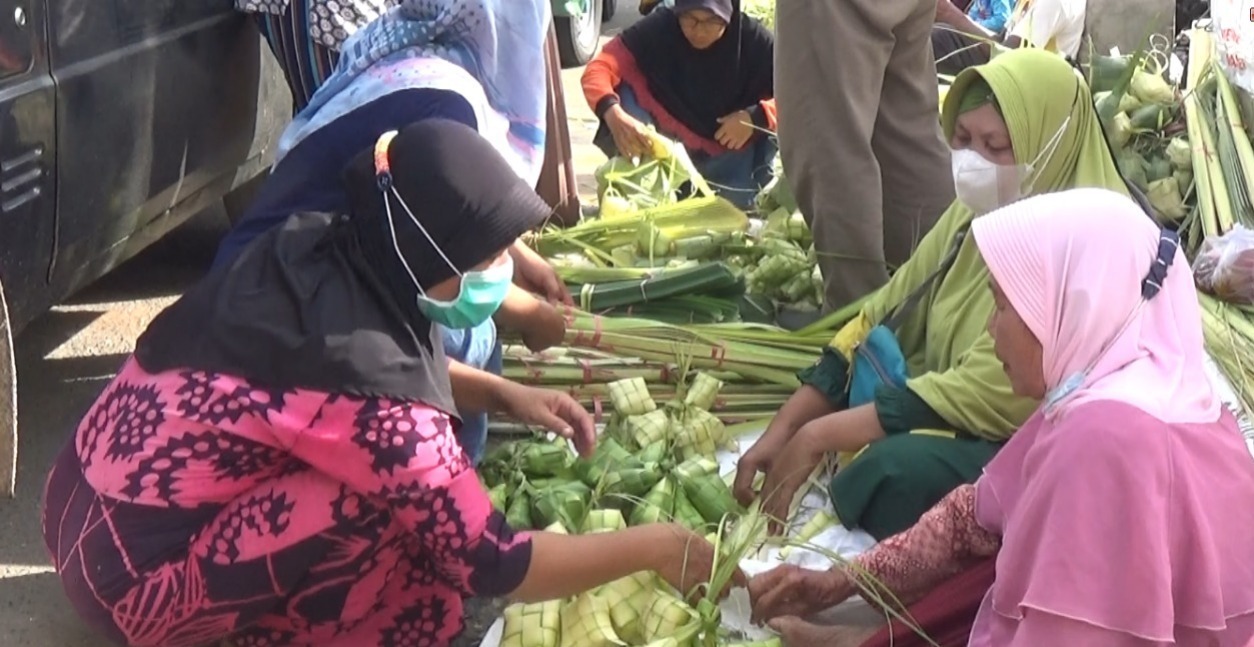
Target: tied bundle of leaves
[(628, 185), (1142, 115)]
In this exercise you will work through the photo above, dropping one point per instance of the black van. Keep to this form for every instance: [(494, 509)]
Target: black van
[(119, 119)]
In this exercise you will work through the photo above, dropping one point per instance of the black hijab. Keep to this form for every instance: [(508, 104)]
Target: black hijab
[(697, 87), (324, 303)]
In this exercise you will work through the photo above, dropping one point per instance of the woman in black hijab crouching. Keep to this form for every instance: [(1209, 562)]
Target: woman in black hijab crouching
[(276, 464)]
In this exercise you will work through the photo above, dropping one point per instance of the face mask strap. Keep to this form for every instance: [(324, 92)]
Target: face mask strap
[(1054, 142), (383, 175)]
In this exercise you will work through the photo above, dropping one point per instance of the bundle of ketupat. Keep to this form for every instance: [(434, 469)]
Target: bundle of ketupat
[(641, 609), (626, 185), (1142, 116), (1223, 163), (781, 268), (652, 464)]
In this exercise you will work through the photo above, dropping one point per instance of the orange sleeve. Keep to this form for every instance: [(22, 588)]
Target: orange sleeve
[(602, 76)]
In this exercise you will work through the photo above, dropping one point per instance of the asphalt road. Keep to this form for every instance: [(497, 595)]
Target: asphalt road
[(66, 357)]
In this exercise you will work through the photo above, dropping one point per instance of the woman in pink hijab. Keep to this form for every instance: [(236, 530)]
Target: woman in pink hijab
[(1120, 514)]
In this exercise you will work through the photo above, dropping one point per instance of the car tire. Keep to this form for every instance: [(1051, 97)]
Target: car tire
[(609, 10), (578, 37)]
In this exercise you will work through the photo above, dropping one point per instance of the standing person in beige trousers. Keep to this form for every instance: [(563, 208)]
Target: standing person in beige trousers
[(859, 131)]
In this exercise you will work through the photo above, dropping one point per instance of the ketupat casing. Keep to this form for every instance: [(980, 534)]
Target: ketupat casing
[(628, 597), (532, 625), (657, 505), (603, 521), (631, 397), (630, 483), (608, 456), (667, 616), (545, 458), (565, 502), (586, 623), (649, 428), (499, 496), (703, 391), (518, 514)]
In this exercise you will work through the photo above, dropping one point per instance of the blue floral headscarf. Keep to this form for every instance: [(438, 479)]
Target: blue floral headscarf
[(489, 51)]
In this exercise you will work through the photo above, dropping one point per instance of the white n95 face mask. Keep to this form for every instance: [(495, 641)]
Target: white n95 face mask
[(984, 186)]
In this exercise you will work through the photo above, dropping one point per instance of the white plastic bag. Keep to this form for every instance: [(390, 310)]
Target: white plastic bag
[(1225, 266)]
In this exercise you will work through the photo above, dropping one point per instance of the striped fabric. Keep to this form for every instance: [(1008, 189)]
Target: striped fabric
[(305, 62)]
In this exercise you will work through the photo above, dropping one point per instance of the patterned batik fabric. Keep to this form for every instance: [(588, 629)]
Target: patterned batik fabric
[(330, 22), (946, 541), (192, 507)]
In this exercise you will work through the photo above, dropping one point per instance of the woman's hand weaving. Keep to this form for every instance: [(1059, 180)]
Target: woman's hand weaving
[(553, 410), (630, 135), (787, 474)]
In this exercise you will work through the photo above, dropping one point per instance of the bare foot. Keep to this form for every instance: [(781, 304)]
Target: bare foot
[(799, 633)]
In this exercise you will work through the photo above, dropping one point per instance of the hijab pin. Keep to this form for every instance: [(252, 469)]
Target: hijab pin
[(382, 166)]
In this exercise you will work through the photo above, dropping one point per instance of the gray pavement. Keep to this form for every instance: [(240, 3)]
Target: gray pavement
[(66, 357)]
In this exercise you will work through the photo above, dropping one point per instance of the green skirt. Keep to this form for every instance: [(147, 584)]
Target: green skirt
[(889, 486)]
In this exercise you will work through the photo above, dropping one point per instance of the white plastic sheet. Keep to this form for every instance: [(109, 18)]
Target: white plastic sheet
[(838, 540), (849, 544)]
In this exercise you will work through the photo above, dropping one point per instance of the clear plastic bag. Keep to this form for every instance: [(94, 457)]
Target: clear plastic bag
[(1225, 266)]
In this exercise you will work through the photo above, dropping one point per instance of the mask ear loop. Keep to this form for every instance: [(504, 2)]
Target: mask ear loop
[(1051, 147), (383, 176)]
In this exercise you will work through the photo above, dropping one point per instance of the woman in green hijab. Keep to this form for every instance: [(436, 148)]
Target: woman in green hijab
[(927, 403)]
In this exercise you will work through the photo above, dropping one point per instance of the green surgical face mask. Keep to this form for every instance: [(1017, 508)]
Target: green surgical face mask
[(481, 295), (482, 291)]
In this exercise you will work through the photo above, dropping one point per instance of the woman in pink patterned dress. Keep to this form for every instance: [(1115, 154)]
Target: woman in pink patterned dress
[(1118, 516), (277, 464)]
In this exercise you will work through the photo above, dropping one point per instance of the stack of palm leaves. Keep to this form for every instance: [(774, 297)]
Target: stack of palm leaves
[(1223, 162), (585, 375), (641, 609), (757, 363), (661, 263)]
